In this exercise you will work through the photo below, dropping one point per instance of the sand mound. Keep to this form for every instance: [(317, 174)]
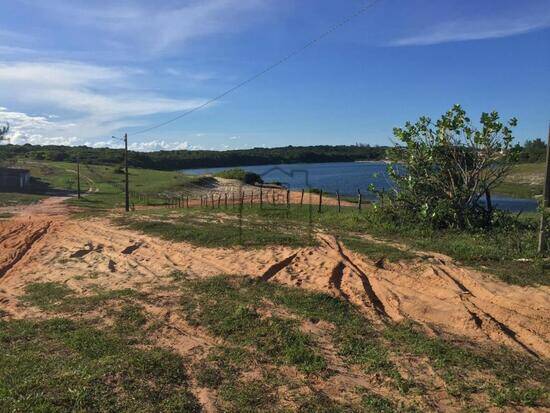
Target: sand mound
[(435, 292)]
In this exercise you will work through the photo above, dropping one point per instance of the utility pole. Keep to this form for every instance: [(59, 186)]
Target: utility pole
[(545, 199), (126, 183), (78, 176)]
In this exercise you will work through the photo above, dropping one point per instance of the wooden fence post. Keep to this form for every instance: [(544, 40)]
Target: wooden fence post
[(338, 197), (212, 198), (225, 199), (219, 200), (273, 196), (320, 200), (302, 198), (261, 198), (288, 198), (187, 201), (359, 199), (545, 201), (233, 198)]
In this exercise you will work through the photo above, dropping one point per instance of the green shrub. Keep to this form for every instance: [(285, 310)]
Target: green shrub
[(442, 170), (250, 178)]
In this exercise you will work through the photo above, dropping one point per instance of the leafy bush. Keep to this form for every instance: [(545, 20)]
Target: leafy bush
[(441, 171), (250, 178)]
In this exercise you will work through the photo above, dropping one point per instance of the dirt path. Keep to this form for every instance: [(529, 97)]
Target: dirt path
[(43, 244)]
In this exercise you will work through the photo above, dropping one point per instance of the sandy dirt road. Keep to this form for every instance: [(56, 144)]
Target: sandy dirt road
[(42, 243)]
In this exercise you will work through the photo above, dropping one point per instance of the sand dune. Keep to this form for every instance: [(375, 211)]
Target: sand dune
[(43, 244)]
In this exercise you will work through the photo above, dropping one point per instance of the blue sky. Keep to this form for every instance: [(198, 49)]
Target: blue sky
[(78, 72)]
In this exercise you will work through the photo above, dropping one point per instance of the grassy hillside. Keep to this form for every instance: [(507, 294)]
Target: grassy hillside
[(103, 185), (524, 181)]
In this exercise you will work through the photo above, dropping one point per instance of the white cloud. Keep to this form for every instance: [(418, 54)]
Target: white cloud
[(154, 27), (477, 29), (158, 145), (94, 100), (26, 128), (31, 129), (233, 138)]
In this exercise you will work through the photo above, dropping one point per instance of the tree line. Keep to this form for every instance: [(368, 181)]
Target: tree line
[(188, 159), (530, 151)]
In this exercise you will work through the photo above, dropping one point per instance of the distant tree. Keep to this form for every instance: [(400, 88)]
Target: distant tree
[(443, 170), (533, 151), (250, 178), (4, 132)]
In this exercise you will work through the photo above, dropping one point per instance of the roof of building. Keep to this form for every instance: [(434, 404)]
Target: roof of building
[(13, 171)]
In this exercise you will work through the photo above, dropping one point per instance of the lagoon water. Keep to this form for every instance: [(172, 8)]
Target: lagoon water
[(346, 177)]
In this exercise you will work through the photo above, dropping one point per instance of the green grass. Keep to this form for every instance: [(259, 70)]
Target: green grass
[(207, 228), (524, 181), (61, 365), (240, 175), (227, 311), (508, 252), (47, 295), (518, 190), (512, 376), (227, 307), (51, 296), (375, 250), (14, 198), (84, 365), (50, 178)]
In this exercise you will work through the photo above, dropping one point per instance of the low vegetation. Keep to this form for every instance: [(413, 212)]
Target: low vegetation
[(443, 170), (102, 185), (15, 198), (507, 250), (239, 174), (523, 181), (62, 365), (185, 159), (210, 229), (272, 348)]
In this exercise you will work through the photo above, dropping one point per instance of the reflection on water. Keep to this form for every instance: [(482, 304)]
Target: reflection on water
[(346, 177)]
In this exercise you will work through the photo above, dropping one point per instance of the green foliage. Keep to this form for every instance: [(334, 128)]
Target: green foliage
[(46, 295), (52, 296), (61, 365), (532, 151), (441, 171), (64, 365), (184, 159), (102, 186), (516, 379), (221, 307), (206, 228), (376, 250), (249, 178)]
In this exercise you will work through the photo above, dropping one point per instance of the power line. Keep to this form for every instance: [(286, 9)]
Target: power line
[(267, 69)]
